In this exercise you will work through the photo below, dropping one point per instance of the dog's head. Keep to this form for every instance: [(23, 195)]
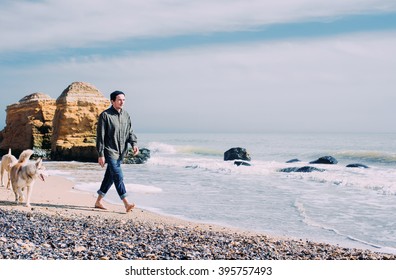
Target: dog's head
[(40, 170), (36, 170)]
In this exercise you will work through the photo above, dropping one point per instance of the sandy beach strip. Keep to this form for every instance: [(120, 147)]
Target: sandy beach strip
[(62, 224)]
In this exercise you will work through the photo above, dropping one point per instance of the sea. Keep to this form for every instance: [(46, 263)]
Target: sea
[(187, 177)]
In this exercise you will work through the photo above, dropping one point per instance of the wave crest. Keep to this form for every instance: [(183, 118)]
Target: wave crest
[(369, 156), (162, 148)]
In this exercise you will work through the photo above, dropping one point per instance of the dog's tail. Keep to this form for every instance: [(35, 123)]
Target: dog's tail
[(24, 157), (9, 151)]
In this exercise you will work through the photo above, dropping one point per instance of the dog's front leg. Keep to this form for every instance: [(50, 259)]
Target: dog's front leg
[(16, 194), (9, 181), (2, 176), (29, 192), (19, 197)]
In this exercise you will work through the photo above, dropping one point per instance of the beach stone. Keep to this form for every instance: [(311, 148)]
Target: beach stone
[(293, 160), (236, 153), (106, 239), (142, 157), (305, 169), (241, 162), (79, 249), (325, 160), (357, 165), (46, 245)]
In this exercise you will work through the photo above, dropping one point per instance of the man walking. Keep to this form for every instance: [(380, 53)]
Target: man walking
[(114, 132)]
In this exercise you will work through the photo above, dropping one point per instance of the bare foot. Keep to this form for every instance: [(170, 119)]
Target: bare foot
[(130, 207), (100, 206)]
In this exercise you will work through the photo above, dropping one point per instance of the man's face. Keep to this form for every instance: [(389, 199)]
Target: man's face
[(119, 102)]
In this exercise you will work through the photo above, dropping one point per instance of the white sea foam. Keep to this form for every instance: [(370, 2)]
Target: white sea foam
[(142, 189), (134, 188), (88, 186), (310, 222), (58, 172), (157, 147)]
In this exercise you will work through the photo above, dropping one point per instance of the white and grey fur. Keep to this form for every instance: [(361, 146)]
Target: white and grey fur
[(6, 162), (24, 174)]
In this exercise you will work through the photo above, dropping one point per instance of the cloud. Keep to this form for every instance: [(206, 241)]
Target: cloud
[(341, 83), (196, 65), (44, 25)]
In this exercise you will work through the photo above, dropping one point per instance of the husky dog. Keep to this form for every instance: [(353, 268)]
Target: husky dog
[(6, 162), (24, 174)]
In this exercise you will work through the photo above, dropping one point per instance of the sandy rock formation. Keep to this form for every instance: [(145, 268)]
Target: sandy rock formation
[(75, 120), (28, 123)]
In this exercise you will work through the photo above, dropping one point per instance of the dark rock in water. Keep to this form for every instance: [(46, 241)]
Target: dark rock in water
[(241, 162), (237, 153), (304, 169), (293, 160), (140, 158), (325, 160), (357, 165)]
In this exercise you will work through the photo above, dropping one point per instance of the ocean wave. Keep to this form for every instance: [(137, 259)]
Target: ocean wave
[(58, 172), (368, 156), (310, 222), (87, 186), (158, 147), (142, 189), (162, 148), (199, 151), (217, 165), (379, 181)]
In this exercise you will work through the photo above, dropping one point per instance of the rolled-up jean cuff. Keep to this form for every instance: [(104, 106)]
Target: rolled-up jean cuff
[(101, 193)]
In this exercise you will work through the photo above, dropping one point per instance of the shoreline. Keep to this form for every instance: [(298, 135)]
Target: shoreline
[(144, 234), (58, 196)]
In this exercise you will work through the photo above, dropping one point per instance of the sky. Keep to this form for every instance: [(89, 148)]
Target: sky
[(211, 65)]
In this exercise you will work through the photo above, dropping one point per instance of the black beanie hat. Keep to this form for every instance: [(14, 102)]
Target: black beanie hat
[(114, 94)]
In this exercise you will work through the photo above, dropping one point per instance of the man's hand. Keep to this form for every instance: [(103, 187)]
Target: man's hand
[(101, 161), (135, 150)]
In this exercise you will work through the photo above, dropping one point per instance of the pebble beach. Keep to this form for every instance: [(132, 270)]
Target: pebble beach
[(61, 224)]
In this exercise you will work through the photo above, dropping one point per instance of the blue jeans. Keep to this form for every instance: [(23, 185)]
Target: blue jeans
[(113, 175)]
